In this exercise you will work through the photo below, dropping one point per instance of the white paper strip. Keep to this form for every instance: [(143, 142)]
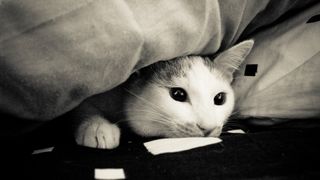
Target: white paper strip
[(170, 145), (44, 150), (109, 173), (236, 131)]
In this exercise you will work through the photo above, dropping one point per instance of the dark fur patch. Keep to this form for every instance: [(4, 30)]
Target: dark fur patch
[(166, 70)]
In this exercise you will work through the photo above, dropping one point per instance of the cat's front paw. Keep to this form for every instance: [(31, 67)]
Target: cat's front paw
[(103, 135)]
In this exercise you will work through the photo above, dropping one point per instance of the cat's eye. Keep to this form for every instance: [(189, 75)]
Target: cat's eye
[(220, 99), (178, 94)]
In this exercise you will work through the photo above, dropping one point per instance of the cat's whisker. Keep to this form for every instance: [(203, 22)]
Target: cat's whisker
[(179, 130), (160, 116), (146, 111), (144, 100), (152, 106), (187, 130), (146, 120), (185, 133), (235, 113), (174, 132), (156, 119)]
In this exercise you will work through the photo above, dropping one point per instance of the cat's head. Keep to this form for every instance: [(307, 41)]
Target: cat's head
[(188, 96)]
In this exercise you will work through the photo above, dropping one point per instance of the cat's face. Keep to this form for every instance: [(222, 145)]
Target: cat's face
[(185, 97), (197, 103)]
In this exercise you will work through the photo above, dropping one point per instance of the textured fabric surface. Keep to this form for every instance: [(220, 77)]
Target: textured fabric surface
[(278, 153), (54, 54), (286, 84)]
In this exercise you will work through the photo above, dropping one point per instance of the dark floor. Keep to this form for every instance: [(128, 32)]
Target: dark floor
[(262, 153)]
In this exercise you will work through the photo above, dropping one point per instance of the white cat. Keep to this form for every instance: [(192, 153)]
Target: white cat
[(184, 97)]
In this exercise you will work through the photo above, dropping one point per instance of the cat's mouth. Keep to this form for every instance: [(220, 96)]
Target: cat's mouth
[(216, 132), (193, 132)]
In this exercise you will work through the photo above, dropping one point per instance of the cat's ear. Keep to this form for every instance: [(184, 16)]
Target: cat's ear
[(230, 60)]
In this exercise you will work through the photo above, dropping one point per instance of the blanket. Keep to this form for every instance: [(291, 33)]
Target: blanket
[(55, 54), (284, 85)]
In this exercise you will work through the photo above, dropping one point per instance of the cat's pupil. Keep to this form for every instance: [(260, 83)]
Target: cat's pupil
[(178, 94), (220, 99)]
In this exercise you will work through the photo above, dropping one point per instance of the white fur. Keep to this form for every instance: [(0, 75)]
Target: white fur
[(154, 113), (151, 111)]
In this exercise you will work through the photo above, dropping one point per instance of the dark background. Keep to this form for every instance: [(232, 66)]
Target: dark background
[(285, 151)]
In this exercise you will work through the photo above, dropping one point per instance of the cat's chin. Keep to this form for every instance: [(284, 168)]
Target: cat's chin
[(158, 131), (147, 129), (149, 134), (215, 133)]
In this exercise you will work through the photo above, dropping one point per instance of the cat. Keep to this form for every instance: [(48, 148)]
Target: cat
[(185, 97)]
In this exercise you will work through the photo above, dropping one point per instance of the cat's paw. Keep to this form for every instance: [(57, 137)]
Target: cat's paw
[(101, 134)]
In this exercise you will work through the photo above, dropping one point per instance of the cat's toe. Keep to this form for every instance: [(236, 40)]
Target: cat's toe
[(108, 136), (101, 142), (88, 137)]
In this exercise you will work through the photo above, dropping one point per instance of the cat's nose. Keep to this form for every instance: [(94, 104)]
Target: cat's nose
[(214, 132), (205, 131)]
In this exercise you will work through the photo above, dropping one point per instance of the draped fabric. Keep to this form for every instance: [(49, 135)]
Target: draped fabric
[(286, 84), (55, 54)]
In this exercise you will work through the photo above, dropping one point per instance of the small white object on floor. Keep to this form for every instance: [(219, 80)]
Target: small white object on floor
[(109, 173), (170, 145), (236, 131), (44, 150)]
